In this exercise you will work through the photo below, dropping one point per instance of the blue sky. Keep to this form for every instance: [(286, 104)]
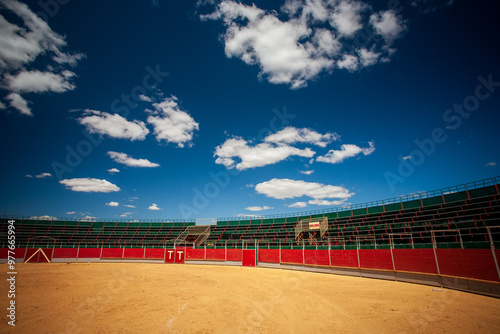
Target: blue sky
[(189, 109)]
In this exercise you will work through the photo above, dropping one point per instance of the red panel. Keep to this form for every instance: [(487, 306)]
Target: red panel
[(155, 253), (180, 255), (291, 256), (30, 252), (195, 254), (480, 264), (234, 255), (216, 254), (48, 254), (113, 253), (450, 262), (269, 255), (4, 253), (248, 258), (317, 257), (89, 253), (170, 256), (66, 253), (415, 260), (20, 253), (344, 258), (375, 259), (133, 253)]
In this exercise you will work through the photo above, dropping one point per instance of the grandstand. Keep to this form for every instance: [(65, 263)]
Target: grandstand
[(437, 236)]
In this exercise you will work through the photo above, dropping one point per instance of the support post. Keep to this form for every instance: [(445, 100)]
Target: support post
[(492, 245)]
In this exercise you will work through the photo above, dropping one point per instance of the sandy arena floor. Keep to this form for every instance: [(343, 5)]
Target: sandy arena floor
[(151, 298)]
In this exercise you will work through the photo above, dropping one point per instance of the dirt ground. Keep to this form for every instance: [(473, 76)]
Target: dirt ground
[(160, 298)]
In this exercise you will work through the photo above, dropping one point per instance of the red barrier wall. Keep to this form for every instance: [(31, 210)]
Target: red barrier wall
[(316, 257), (248, 258), (65, 253), (415, 260), (344, 258), (89, 253), (39, 256), (155, 253), (216, 254), (112, 253), (195, 254), (170, 256), (472, 263), (133, 253), (269, 255), (375, 259), (291, 256), (234, 255)]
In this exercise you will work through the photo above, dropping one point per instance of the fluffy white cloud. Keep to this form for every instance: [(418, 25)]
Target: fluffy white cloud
[(255, 156), (172, 124), (45, 217), (112, 204), (307, 172), (297, 205), (145, 98), (326, 202), (346, 151), (113, 125), (258, 208), (70, 212), (387, 24), (154, 207), (26, 38), (89, 185), (307, 38), (113, 170), (292, 135), (287, 188), (129, 206), (43, 175), (127, 160)]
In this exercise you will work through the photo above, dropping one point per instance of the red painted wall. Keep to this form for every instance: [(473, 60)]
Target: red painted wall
[(67, 253), (111, 253), (234, 255), (155, 253), (316, 257), (375, 259), (170, 256), (133, 253), (195, 254), (248, 258), (216, 254), (39, 256), (291, 256), (472, 263), (180, 254), (269, 255), (89, 253), (344, 258), (415, 260)]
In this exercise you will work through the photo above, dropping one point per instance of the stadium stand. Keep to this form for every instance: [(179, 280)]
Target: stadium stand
[(450, 233)]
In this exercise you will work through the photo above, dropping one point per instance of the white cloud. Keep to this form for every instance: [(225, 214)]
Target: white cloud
[(145, 98), (113, 204), (154, 207), (255, 156), (346, 151), (326, 202), (387, 24), (346, 17), (306, 38), (126, 214), (45, 217), (70, 212), (43, 175), (28, 176), (172, 124), (40, 82), (19, 103), (129, 206), (292, 135), (127, 160), (407, 157), (286, 188), (113, 170), (307, 172), (24, 39), (248, 216), (491, 163), (89, 185), (113, 125), (258, 208), (297, 205)]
